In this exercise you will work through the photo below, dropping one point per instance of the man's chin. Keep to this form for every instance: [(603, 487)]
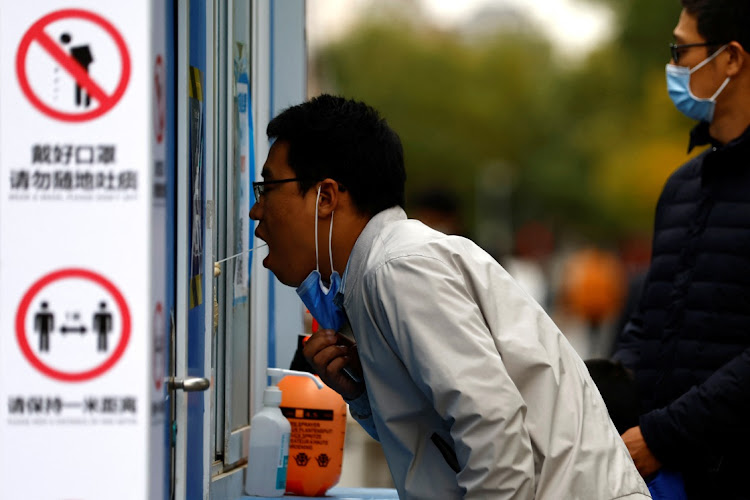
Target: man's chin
[(279, 276)]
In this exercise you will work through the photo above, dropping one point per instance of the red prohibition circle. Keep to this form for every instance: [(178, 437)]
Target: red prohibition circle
[(36, 33), (23, 308)]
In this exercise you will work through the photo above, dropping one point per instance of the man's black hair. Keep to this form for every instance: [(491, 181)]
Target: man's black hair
[(722, 21), (347, 141)]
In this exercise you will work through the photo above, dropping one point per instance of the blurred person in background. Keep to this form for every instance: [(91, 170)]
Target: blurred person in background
[(688, 343), (635, 253), (439, 209), (593, 286), (533, 244), (468, 385)]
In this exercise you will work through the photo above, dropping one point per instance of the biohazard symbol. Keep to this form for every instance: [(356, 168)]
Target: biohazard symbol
[(301, 458), (323, 460)]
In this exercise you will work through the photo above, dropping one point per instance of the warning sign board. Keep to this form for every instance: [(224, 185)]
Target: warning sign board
[(73, 325), (83, 179), (65, 64)]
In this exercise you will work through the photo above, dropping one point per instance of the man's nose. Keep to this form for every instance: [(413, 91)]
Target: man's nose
[(255, 211)]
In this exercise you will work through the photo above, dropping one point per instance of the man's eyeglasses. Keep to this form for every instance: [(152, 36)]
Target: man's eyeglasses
[(260, 187), (676, 49)]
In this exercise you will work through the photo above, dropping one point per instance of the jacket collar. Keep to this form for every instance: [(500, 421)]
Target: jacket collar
[(721, 159), (357, 259), (700, 136)]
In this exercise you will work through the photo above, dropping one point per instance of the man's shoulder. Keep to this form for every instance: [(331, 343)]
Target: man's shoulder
[(410, 250), (691, 168), (403, 234), (688, 172), (413, 238)]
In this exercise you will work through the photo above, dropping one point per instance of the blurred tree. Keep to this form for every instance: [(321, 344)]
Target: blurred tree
[(587, 145), (457, 105)]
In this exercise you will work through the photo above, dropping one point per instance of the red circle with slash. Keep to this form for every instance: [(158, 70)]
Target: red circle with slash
[(36, 34)]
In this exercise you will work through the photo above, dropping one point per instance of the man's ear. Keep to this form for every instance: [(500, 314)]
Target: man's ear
[(738, 59), (329, 197)]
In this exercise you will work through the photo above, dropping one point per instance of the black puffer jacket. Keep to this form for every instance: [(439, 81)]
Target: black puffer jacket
[(689, 341)]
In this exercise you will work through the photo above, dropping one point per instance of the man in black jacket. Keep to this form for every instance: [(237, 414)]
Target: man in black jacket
[(689, 340)]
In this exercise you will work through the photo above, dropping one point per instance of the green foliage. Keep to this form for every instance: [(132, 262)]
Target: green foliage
[(585, 146)]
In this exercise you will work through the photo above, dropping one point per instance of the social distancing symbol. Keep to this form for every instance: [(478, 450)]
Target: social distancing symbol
[(73, 65), (73, 325)]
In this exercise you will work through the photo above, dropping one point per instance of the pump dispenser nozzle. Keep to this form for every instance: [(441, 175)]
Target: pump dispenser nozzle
[(272, 394), (277, 374)]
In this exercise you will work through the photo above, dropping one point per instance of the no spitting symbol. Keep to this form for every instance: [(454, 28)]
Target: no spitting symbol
[(73, 65), (73, 325)]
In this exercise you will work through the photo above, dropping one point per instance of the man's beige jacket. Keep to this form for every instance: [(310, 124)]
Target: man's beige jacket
[(454, 353)]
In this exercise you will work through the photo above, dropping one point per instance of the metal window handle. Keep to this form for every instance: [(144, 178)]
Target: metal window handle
[(188, 384)]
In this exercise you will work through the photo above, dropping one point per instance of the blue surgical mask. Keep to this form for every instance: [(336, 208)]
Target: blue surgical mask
[(317, 296), (678, 86)]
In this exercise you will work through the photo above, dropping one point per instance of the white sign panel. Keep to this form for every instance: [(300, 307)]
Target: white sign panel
[(82, 187)]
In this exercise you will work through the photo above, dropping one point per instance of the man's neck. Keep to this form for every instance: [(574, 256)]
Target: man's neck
[(733, 120), (726, 131), (347, 228), (342, 252)]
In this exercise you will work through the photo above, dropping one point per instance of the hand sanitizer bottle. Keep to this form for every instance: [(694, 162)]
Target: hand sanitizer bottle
[(269, 441)]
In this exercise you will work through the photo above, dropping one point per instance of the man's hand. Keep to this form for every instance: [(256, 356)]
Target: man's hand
[(645, 462), (329, 353)]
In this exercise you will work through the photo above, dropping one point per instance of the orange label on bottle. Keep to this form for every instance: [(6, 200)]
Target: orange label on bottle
[(310, 428)]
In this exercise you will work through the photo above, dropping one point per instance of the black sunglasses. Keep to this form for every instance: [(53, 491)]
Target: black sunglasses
[(675, 49)]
